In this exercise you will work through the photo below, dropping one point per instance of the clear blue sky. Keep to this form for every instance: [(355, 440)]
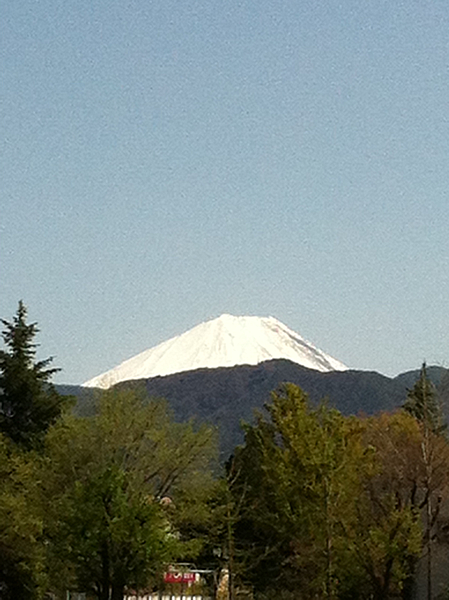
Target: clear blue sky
[(164, 162)]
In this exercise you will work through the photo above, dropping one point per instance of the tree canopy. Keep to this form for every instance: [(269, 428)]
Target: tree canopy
[(121, 485), (22, 552), (320, 516)]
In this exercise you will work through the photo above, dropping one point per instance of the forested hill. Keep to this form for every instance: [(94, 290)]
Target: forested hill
[(226, 396)]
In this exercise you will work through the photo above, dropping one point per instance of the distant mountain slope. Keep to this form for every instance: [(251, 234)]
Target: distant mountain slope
[(226, 396), (438, 375), (224, 342)]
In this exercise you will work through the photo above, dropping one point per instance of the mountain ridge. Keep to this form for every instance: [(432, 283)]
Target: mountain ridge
[(226, 341), (226, 396)]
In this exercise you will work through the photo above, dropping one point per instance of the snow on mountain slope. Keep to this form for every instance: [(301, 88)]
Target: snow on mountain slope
[(223, 342)]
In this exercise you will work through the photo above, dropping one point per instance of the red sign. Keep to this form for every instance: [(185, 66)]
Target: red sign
[(177, 577)]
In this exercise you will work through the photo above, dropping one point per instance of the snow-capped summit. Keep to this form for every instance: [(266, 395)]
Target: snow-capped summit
[(223, 342)]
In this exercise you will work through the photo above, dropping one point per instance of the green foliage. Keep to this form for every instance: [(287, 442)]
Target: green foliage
[(108, 525), (323, 514), (124, 486), (22, 556), (299, 474), (389, 522), (28, 402)]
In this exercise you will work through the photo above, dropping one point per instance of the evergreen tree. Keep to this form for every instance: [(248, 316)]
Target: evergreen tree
[(422, 402), (29, 404)]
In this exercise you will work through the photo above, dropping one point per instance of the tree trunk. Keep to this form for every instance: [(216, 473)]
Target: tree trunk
[(408, 587), (118, 591), (103, 593), (230, 556), (329, 549), (105, 580)]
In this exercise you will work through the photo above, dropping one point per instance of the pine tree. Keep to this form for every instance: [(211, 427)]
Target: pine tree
[(29, 404), (422, 402)]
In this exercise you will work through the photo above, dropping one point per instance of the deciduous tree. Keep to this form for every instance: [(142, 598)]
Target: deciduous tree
[(423, 403), (389, 523), (22, 553), (120, 483), (330, 506), (300, 473)]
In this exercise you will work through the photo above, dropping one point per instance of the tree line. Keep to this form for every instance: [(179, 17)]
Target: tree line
[(313, 505)]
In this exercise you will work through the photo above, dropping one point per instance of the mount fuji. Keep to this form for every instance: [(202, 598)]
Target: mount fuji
[(227, 341)]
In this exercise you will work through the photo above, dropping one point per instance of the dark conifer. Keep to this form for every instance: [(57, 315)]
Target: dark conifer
[(423, 403), (29, 403)]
